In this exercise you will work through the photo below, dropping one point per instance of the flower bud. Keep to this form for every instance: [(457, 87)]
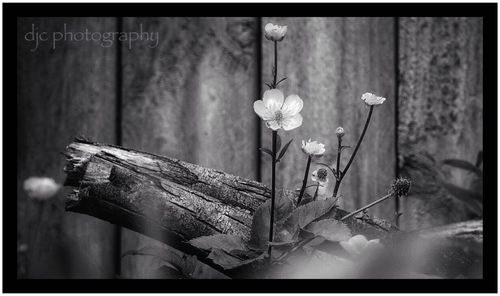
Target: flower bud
[(274, 32), (313, 148), (371, 99), (401, 186), (340, 132)]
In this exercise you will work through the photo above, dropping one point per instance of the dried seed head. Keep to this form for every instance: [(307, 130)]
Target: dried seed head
[(401, 186)]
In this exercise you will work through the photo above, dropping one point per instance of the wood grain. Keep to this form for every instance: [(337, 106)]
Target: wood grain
[(440, 112), (330, 63), (191, 97), (62, 92)]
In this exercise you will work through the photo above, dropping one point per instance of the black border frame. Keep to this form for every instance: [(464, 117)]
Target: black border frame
[(486, 10)]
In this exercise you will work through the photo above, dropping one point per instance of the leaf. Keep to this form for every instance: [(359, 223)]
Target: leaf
[(330, 229), (282, 79), (472, 199), (229, 261), (303, 215), (163, 256), (283, 151), (225, 242), (479, 158), (265, 150), (278, 142), (261, 219), (462, 164)]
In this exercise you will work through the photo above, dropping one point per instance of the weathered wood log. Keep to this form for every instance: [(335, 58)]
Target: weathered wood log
[(171, 200)]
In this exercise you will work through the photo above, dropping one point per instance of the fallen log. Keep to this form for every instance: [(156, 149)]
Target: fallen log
[(171, 200)]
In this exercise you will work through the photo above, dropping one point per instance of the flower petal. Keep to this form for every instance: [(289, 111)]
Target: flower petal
[(292, 122), (273, 99), (272, 124), (293, 105), (260, 108)]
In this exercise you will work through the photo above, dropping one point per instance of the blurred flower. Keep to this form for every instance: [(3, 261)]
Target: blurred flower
[(41, 188), (22, 248), (371, 99), (274, 32), (340, 132), (359, 245), (278, 112), (313, 148)]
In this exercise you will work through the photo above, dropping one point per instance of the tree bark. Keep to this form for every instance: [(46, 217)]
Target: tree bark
[(174, 201)]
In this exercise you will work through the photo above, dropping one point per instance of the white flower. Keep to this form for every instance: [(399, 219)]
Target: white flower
[(340, 132), (278, 112), (371, 99), (274, 32), (41, 188), (359, 245), (320, 176), (313, 148)]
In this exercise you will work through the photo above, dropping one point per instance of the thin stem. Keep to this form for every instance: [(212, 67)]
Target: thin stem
[(304, 182), (358, 144), (367, 206), (337, 177), (273, 192), (275, 78)]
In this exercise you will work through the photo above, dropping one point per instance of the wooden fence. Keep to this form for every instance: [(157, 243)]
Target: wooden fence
[(191, 98)]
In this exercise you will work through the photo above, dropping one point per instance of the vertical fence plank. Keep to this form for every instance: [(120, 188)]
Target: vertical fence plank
[(440, 110), (330, 63), (62, 92), (190, 98)]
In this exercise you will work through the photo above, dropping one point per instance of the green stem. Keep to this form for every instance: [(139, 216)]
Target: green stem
[(367, 206), (304, 182), (273, 193)]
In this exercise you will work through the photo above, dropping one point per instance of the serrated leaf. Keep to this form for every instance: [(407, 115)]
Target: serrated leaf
[(283, 151), (163, 256), (229, 261), (261, 219), (268, 151), (305, 214), (472, 199), (462, 164), (330, 229), (225, 242)]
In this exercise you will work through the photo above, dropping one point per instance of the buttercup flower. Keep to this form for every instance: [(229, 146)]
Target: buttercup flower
[(313, 148), (358, 245), (371, 99), (278, 112), (41, 188), (274, 32), (340, 132)]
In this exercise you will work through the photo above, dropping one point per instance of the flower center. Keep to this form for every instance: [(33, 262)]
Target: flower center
[(278, 116), (322, 173)]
